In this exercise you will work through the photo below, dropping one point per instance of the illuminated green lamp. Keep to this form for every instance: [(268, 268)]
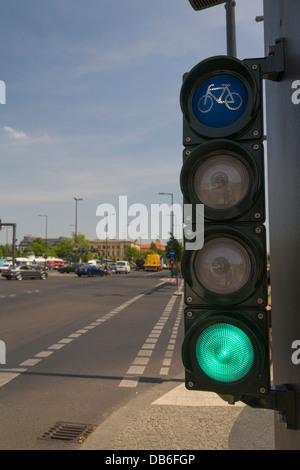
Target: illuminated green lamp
[(224, 352)]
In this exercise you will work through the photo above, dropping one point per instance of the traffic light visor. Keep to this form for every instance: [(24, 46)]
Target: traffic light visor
[(220, 98), (229, 269), (227, 351), (227, 178)]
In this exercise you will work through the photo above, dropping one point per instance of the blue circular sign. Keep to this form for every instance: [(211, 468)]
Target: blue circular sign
[(220, 100)]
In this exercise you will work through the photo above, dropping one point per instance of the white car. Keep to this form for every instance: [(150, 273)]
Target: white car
[(123, 267), (4, 267)]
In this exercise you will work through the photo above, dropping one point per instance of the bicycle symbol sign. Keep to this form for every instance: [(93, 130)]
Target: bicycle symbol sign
[(232, 100), (220, 100)]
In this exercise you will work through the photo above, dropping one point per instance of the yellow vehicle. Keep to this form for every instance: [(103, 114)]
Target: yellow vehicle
[(153, 263)]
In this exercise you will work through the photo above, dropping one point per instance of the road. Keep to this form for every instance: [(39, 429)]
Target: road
[(77, 349)]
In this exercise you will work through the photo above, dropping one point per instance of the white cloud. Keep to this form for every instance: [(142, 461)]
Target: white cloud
[(14, 134), (22, 137)]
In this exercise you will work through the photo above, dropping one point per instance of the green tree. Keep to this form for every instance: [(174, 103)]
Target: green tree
[(38, 247), (177, 248), (82, 244), (5, 250), (63, 249), (81, 241), (132, 253)]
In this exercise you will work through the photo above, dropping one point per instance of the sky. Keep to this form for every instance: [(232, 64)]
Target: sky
[(92, 104)]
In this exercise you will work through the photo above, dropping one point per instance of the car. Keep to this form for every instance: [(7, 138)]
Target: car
[(56, 266), (68, 268), (24, 272), (123, 267), (112, 267), (87, 270), (4, 267), (139, 264)]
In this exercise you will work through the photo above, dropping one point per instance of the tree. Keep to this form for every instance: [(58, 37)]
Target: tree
[(63, 249), (132, 253), (38, 247), (177, 248), (5, 250)]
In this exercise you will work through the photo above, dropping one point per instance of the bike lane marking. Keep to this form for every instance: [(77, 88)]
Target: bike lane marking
[(138, 366), (166, 362)]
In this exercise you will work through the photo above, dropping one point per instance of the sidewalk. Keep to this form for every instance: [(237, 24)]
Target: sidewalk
[(170, 417), (173, 418)]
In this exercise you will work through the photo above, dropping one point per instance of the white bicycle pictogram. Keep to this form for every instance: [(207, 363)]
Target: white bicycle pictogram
[(231, 99)]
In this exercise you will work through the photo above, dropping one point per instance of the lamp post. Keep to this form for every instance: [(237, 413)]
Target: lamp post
[(172, 225), (76, 199), (46, 236), (230, 20), (230, 28)]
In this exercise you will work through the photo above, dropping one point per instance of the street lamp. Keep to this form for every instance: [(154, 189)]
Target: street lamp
[(46, 230), (230, 19), (202, 4), (172, 225), (76, 199)]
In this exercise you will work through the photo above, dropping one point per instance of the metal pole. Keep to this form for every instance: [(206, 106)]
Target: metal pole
[(14, 244), (172, 234), (76, 200), (281, 20), (75, 222), (172, 227), (46, 237), (230, 28)]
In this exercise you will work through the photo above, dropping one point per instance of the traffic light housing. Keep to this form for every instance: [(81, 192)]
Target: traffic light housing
[(221, 98), (226, 344), (227, 352)]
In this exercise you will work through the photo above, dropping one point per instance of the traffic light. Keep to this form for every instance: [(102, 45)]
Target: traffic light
[(226, 344)]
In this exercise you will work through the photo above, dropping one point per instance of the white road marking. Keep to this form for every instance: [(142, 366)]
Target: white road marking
[(171, 345), (6, 375), (147, 349)]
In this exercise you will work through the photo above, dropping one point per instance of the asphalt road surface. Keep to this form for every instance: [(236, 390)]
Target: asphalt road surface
[(77, 349)]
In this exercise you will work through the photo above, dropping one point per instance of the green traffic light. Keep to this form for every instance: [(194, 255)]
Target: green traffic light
[(224, 352)]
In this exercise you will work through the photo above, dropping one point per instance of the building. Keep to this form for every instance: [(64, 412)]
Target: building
[(28, 239), (108, 249), (112, 248), (158, 245)]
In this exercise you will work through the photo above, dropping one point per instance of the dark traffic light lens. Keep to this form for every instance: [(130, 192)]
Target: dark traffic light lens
[(223, 266), (221, 181), (224, 352), (226, 178)]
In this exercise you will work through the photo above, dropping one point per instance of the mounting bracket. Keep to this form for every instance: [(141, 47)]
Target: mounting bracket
[(281, 398), (272, 66)]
